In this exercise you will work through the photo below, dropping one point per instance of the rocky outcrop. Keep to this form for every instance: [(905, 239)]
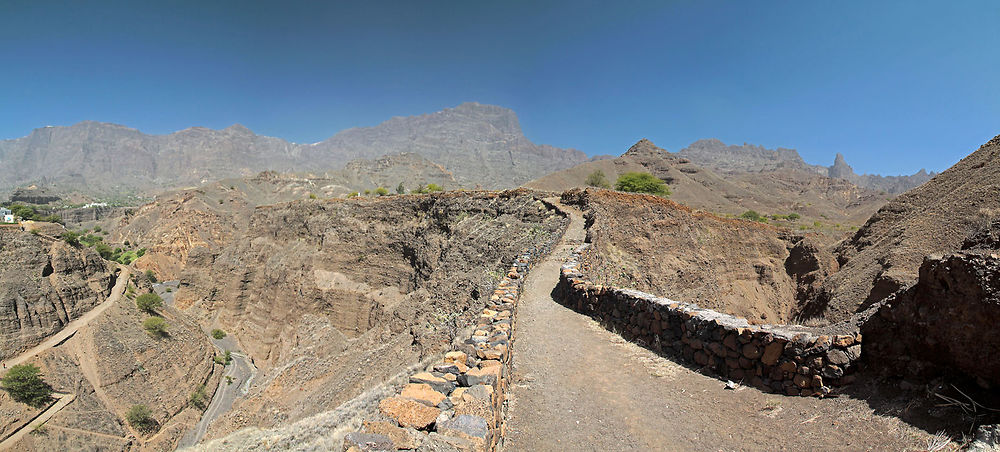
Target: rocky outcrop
[(944, 324), (45, 284), (33, 195)]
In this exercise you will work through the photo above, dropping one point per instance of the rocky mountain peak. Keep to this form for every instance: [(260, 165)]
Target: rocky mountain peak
[(644, 148), (840, 168)]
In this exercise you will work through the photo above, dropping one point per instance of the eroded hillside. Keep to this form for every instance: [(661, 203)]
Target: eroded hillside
[(332, 297), (44, 284), (751, 270)]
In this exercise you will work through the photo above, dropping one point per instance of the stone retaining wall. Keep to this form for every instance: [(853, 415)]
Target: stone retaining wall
[(789, 359), (460, 402)]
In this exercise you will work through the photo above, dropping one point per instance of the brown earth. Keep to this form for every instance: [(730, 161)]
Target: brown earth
[(835, 203), (578, 386), (332, 297), (44, 284), (957, 209), (740, 267), (109, 365)]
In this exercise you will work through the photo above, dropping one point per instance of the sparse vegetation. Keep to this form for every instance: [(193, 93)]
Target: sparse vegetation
[(635, 182), (381, 191), (24, 384), (141, 418), (39, 429), (353, 194), (400, 189), (72, 238), (151, 276), (218, 334), (199, 399), (794, 216), (752, 215), (155, 326), (598, 179), (29, 213), (312, 195), (434, 187), (224, 359), (149, 302)]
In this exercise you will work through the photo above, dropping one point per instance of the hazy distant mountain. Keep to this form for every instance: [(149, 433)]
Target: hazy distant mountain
[(479, 144), (730, 159)]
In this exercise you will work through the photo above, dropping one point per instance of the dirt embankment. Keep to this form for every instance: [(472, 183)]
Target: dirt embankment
[(740, 267), (332, 297), (958, 209)]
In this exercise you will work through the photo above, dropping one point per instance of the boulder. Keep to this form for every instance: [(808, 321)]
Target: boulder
[(409, 413), (422, 393), (362, 442)]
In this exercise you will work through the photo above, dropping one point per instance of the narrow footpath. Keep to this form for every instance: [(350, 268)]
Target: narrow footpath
[(577, 386)]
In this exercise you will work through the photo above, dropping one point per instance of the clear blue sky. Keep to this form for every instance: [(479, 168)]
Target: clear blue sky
[(893, 85)]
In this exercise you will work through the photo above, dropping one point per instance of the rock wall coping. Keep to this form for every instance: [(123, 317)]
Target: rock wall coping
[(789, 359)]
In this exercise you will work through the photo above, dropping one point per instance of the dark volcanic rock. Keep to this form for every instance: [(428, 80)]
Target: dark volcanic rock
[(944, 324)]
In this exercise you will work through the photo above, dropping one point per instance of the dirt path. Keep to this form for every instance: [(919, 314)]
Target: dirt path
[(578, 386), (241, 371), (63, 400), (72, 327)]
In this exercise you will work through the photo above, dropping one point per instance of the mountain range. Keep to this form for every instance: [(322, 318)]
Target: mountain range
[(480, 145)]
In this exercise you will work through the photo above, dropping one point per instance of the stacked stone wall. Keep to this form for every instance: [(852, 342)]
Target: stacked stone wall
[(789, 359), (460, 402)]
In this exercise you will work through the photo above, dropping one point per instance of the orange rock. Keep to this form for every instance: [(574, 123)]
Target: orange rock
[(422, 393), (409, 413)]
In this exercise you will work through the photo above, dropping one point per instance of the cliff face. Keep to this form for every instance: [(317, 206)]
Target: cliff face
[(45, 284), (333, 297)]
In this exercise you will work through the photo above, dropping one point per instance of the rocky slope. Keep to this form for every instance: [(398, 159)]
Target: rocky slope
[(480, 144), (957, 209), (45, 284), (769, 192), (739, 267), (748, 158), (331, 298)]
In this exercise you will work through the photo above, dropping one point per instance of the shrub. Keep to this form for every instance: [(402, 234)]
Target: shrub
[(141, 418), (642, 183), (381, 191), (24, 383), (434, 187), (72, 238), (97, 229), (218, 334), (199, 399), (794, 216), (751, 215), (353, 194), (367, 192), (149, 302), (141, 252), (312, 195), (39, 429), (155, 326), (400, 189), (151, 275), (598, 179)]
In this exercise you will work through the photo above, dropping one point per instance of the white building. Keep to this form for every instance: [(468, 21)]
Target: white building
[(6, 215)]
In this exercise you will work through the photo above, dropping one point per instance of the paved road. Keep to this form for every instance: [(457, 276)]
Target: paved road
[(72, 327), (241, 372)]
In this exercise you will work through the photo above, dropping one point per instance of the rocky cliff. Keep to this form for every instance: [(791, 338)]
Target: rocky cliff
[(332, 297), (480, 144), (45, 284)]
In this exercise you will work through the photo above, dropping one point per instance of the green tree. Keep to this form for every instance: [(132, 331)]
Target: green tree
[(400, 189), (155, 326), (598, 179), (199, 399), (151, 276), (752, 215), (72, 238), (218, 334), (24, 383), (636, 182), (149, 302), (794, 216), (141, 418), (104, 250), (381, 191)]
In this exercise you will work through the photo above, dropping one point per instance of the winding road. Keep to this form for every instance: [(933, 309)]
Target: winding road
[(53, 341)]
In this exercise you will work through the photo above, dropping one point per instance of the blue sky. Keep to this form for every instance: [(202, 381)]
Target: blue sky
[(893, 85)]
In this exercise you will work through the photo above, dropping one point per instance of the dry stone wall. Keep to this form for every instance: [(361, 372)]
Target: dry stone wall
[(459, 402), (789, 359)]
